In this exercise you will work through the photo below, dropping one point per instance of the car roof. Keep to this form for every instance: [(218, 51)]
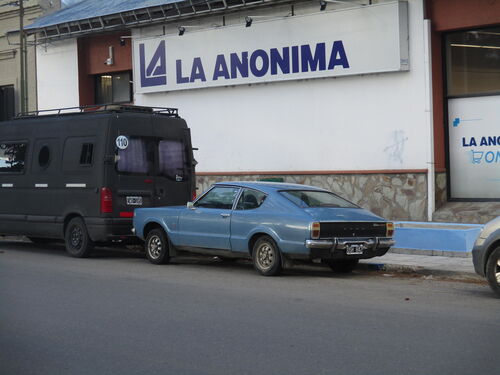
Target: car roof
[(269, 186)]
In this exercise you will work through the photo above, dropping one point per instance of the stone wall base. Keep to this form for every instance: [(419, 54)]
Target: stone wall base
[(398, 196)]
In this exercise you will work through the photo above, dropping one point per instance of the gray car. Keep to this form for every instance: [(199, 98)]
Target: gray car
[(486, 254)]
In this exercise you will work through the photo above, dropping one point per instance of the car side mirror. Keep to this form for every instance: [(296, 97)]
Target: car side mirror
[(190, 205)]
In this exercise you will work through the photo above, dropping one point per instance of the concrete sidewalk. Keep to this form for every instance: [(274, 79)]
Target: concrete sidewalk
[(427, 265)]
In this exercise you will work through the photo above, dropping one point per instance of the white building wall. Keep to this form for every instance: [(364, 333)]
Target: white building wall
[(357, 123), (57, 74)]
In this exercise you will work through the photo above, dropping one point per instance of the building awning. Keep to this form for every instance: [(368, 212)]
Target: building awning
[(97, 15)]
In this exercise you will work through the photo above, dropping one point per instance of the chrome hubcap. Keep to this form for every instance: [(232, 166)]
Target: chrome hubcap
[(155, 247), (497, 271), (265, 256)]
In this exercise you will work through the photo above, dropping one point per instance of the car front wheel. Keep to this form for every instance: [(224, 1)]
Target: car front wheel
[(157, 247), (493, 271), (266, 257)]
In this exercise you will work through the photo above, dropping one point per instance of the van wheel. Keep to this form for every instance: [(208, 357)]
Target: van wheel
[(266, 257), (157, 247), (78, 242)]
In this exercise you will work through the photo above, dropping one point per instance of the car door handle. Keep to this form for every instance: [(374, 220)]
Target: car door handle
[(225, 215)]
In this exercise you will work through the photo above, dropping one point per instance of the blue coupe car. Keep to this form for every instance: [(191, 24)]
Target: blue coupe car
[(271, 223)]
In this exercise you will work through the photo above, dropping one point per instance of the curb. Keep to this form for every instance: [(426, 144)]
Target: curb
[(420, 270)]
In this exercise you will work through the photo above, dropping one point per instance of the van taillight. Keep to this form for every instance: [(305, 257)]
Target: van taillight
[(390, 229), (106, 201), (315, 230)]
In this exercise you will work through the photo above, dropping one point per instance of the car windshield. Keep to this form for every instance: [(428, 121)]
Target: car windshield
[(311, 198)]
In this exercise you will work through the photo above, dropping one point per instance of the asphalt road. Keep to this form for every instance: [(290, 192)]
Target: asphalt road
[(117, 314)]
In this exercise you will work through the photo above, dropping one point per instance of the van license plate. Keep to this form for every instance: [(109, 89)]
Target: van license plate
[(134, 201), (354, 250)]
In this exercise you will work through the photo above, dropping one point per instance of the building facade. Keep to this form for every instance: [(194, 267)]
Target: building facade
[(351, 96), (10, 64)]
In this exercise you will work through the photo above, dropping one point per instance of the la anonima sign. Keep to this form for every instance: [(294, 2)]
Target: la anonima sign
[(370, 39)]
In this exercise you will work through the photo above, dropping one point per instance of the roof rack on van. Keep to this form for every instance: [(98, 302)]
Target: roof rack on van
[(100, 108)]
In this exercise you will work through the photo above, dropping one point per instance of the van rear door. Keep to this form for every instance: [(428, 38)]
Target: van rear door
[(174, 182), (131, 176)]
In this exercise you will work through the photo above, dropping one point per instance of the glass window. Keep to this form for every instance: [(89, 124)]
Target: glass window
[(113, 88), (473, 62), (172, 159), (310, 198), (134, 159), (12, 157), (44, 157), (86, 154), (250, 199), (218, 197)]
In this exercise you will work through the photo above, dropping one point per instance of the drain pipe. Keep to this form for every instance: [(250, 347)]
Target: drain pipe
[(429, 119)]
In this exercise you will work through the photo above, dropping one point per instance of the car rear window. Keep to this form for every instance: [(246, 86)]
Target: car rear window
[(312, 198)]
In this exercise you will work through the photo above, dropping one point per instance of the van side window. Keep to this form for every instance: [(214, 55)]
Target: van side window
[(86, 154), (172, 158), (135, 159), (72, 154), (12, 157)]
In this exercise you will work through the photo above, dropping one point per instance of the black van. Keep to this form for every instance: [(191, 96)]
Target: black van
[(79, 175)]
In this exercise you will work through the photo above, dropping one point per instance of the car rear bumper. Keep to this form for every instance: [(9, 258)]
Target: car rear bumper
[(336, 248)]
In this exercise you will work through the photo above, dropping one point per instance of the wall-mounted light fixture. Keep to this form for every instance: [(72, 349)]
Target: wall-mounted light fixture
[(110, 59), (249, 19), (323, 3), (122, 42), (182, 29)]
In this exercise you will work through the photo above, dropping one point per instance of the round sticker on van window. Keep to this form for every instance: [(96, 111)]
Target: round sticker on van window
[(122, 142)]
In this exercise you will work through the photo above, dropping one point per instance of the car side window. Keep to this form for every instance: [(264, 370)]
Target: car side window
[(219, 197), (250, 199)]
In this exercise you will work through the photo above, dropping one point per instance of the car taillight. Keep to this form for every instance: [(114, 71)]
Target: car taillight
[(106, 200), (390, 229), (193, 196), (315, 229)]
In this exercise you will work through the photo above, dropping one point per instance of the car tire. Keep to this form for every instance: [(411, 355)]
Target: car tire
[(493, 270), (77, 240), (343, 265), (157, 247), (266, 257)]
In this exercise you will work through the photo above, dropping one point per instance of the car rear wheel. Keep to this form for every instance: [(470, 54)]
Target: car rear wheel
[(266, 257), (157, 247), (493, 271), (343, 265), (77, 240)]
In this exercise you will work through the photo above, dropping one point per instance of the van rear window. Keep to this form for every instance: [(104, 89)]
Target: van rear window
[(172, 159), (12, 157), (134, 159)]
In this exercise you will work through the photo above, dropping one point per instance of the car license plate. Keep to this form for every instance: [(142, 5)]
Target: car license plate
[(134, 201), (354, 249)]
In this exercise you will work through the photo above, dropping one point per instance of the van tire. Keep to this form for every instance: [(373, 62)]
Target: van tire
[(77, 240), (157, 247)]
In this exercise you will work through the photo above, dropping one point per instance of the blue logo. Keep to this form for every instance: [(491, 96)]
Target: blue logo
[(456, 122), (155, 73)]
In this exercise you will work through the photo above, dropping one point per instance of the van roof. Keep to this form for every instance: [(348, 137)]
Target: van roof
[(105, 108)]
